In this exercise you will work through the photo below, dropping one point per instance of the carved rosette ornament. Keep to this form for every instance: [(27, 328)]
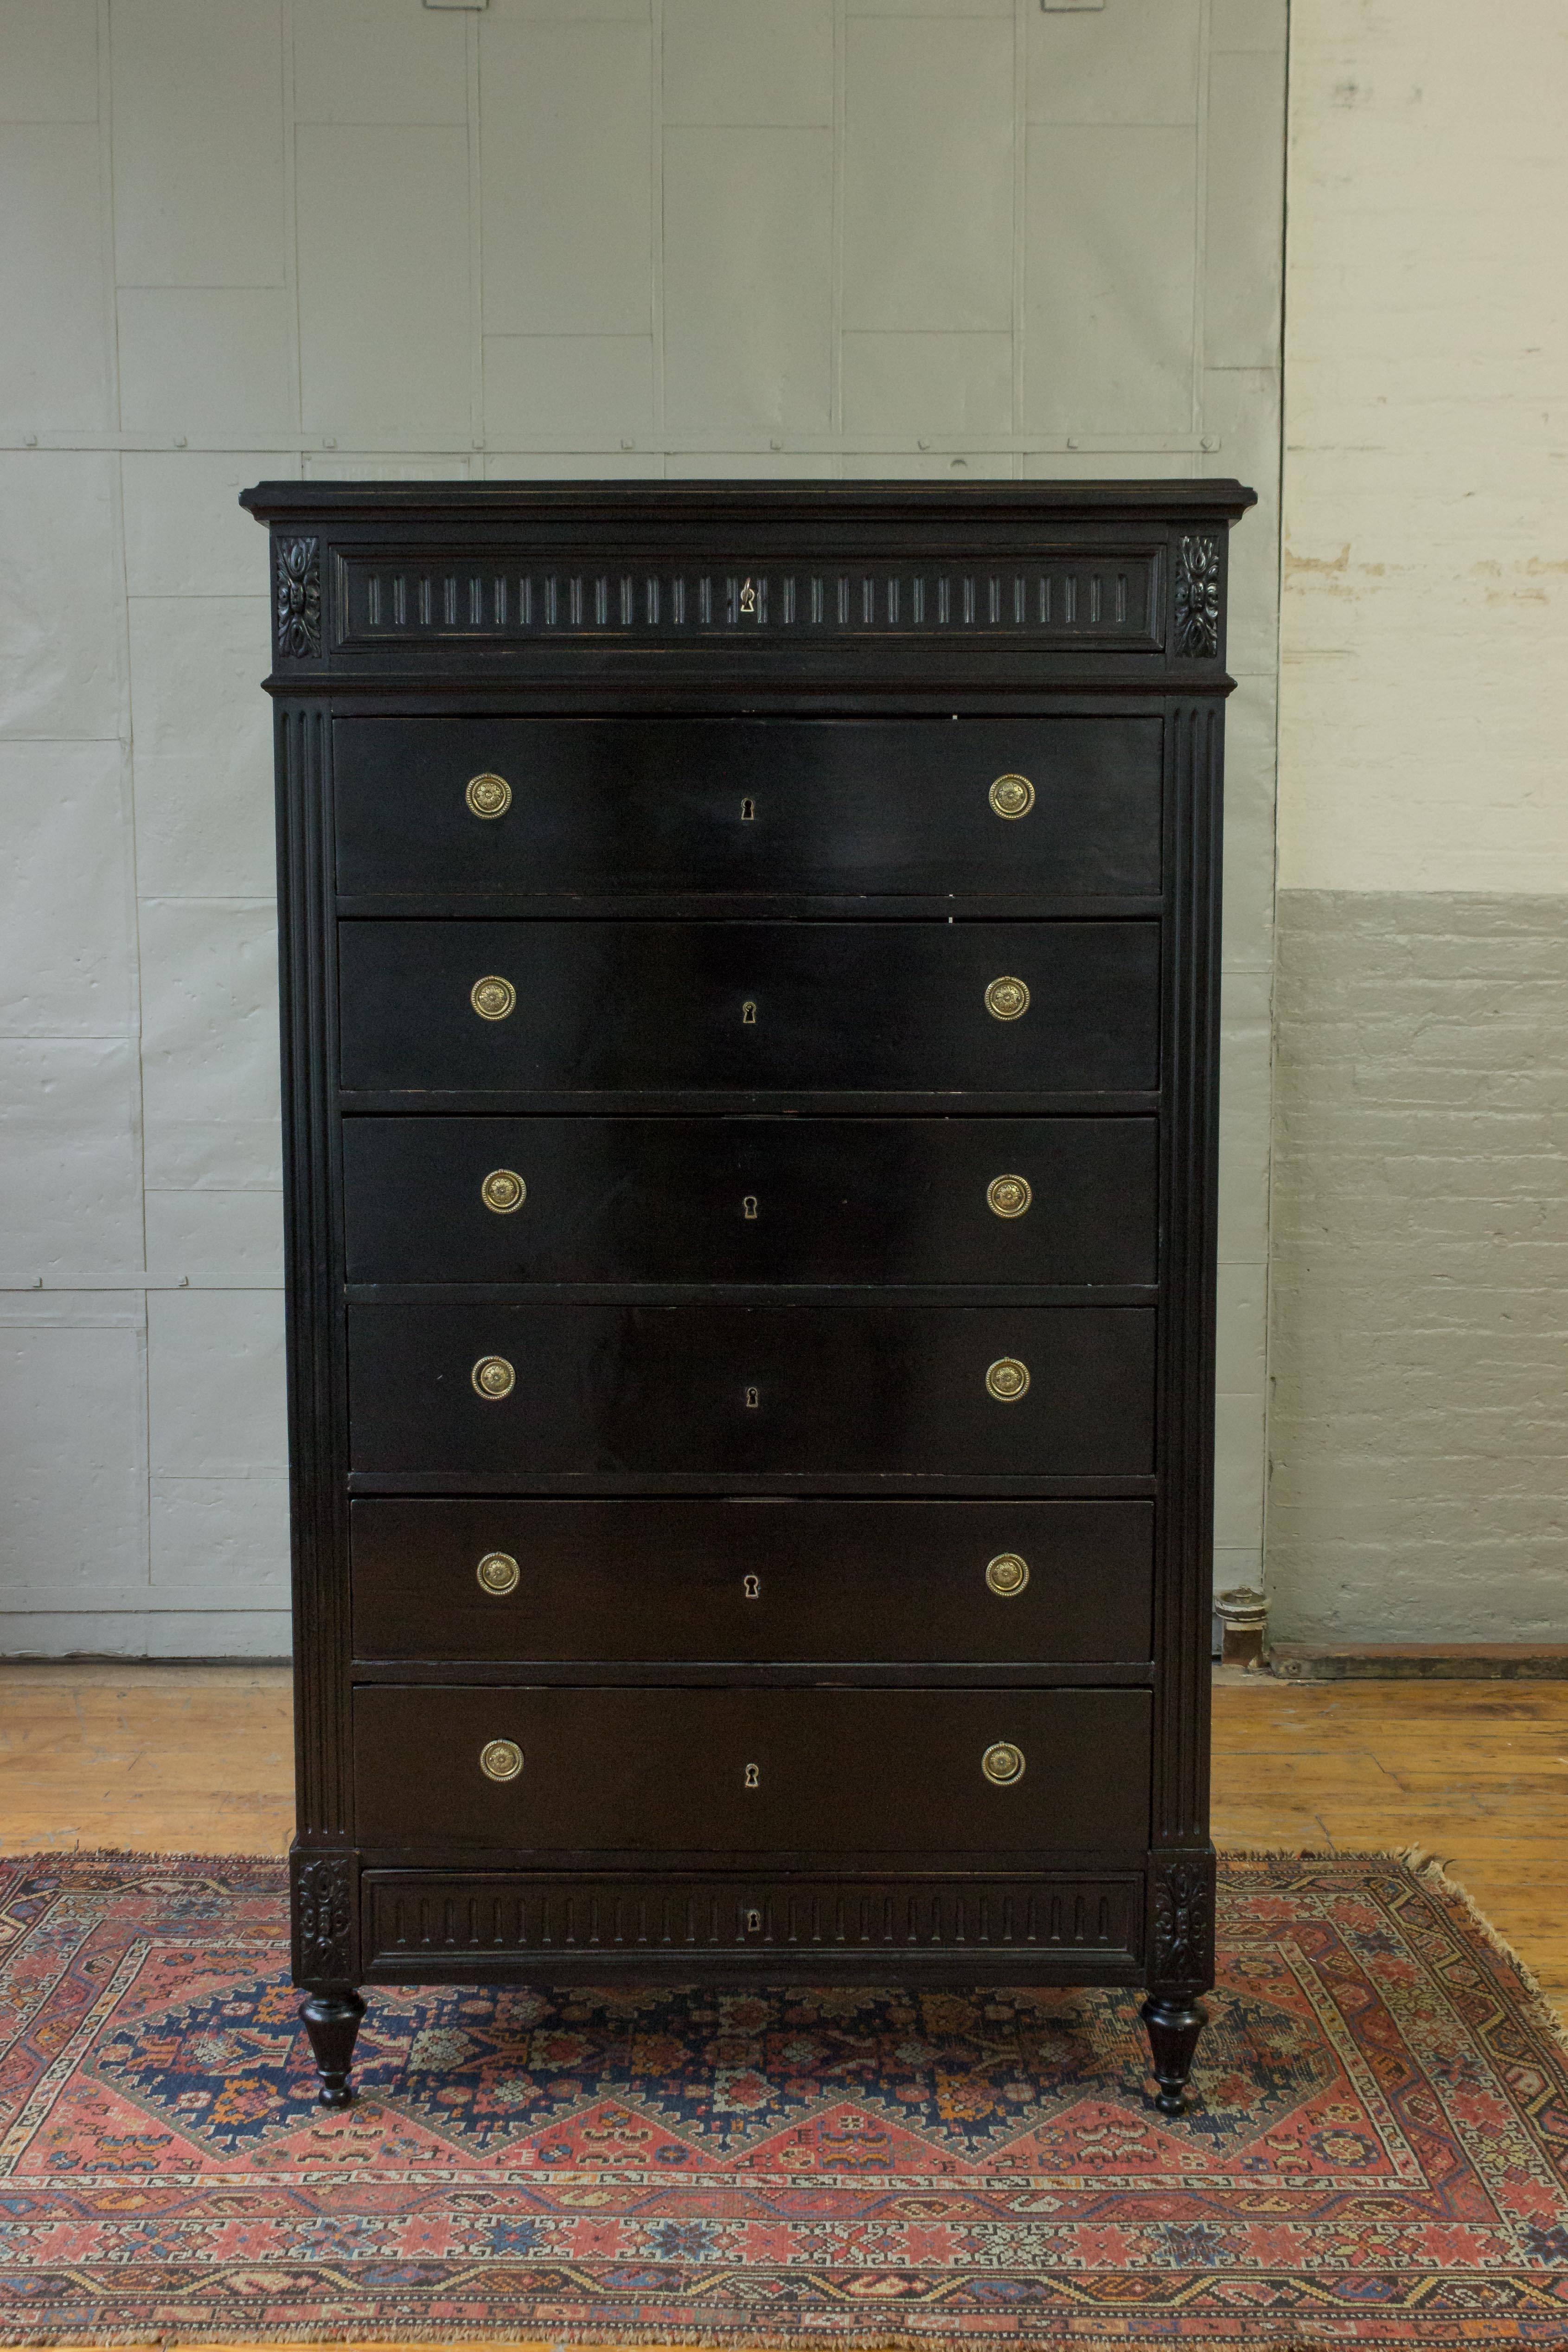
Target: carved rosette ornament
[(1197, 600), (298, 598), (1183, 1921), (324, 1918)]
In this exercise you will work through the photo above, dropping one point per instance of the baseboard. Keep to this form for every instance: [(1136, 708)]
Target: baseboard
[(174, 1636), (1307, 1661)]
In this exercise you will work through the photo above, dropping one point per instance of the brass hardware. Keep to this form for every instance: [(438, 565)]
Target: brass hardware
[(490, 795), (500, 1759), (492, 997), (752, 1587), (1008, 1379), (748, 812), (753, 1777), (1012, 796), (748, 1015), (497, 1574), (753, 1399), (1003, 1763), (1006, 1574), (748, 1208), (504, 1191), (1007, 998), (754, 1923), (492, 1377), (748, 598), (1009, 1196)]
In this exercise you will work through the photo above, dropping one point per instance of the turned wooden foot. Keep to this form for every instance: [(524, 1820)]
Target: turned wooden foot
[(331, 2014), (1175, 2024)]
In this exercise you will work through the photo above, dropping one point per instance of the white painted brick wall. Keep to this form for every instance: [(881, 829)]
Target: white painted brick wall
[(1423, 686), (557, 237)]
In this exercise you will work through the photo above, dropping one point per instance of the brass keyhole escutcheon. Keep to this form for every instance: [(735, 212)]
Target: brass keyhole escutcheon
[(1007, 998), (1012, 796), (753, 1777), (492, 997), (754, 1923), (752, 1587), (500, 1759), (497, 1574), (748, 1208), (748, 812), (748, 1015), (488, 795), (753, 1399), (1008, 1379), (1006, 1574), (748, 598), (1009, 1196), (492, 1377), (504, 1191), (1003, 1763)]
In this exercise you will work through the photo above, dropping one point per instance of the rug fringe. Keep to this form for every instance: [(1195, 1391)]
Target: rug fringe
[(107, 1854), (700, 2340)]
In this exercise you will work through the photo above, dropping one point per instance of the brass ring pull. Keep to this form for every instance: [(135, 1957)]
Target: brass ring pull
[(490, 795), (504, 1191), (1006, 1574), (493, 997), (1002, 1763), (500, 1759), (1006, 1379), (1010, 795), (498, 1574), (492, 1379), (1007, 998), (1009, 1196)]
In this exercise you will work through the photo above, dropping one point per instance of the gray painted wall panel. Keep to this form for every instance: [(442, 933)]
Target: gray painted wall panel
[(948, 239)]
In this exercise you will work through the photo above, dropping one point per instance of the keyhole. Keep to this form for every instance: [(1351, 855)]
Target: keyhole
[(752, 1587), (748, 1015), (754, 1923), (748, 1208), (748, 598), (748, 812), (753, 1399), (753, 1777)]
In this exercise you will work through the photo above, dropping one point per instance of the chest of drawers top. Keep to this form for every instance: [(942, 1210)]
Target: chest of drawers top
[(798, 588)]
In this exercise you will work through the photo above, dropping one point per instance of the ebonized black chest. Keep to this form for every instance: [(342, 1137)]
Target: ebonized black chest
[(750, 989)]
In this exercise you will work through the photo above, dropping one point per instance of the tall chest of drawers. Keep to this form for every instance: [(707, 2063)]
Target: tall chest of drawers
[(749, 965)]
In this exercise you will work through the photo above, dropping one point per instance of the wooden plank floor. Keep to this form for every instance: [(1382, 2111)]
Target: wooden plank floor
[(198, 1759)]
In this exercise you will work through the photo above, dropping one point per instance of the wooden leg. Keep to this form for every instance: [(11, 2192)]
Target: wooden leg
[(1174, 2023), (331, 2015)]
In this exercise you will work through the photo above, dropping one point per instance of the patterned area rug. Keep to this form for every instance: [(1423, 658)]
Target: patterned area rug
[(1378, 2155)]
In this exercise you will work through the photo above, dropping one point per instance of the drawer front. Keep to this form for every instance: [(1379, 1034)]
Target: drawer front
[(750, 1199), (767, 1389), (751, 1006), (753, 1771), (603, 806), (653, 1925), (642, 1580)]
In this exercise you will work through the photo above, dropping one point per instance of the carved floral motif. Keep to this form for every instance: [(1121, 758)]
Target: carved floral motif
[(1183, 1921), (1198, 599), (324, 1917), (299, 597)]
